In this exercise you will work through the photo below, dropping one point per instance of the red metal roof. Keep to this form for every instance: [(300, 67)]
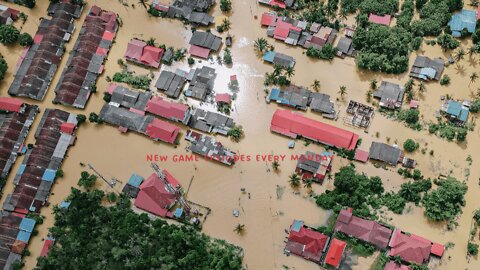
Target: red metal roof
[(282, 30), (278, 3), (46, 246), (135, 49), (385, 20), (108, 35), (394, 266), (151, 56), (153, 197), (166, 109), (438, 249), (268, 19), (361, 155), (307, 243), (10, 104), (293, 124), (199, 51), (67, 128), (366, 230), (223, 98), (410, 249), (335, 252), (163, 131)]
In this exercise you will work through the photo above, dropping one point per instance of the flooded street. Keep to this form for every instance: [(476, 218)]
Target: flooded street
[(265, 216)]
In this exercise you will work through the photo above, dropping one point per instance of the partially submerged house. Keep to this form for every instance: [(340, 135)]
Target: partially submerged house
[(465, 19), (38, 64), (171, 83), (314, 166), (335, 253), (15, 122), (210, 122), (169, 110), (269, 19), (382, 20), (385, 153), (410, 248), (391, 265), (85, 63), (306, 242), (345, 47), (124, 97), (15, 232), (325, 35), (209, 148), (359, 115), (455, 111), (295, 125), (8, 15), (279, 59), (132, 187), (140, 53), (293, 96), (223, 99), (390, 95), (321, 103), (281, 4), (193, 11), (427, 69), (367, 230), (201, 82), (203, 43)]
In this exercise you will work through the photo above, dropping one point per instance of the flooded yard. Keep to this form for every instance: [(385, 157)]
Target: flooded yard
[(265, 216)]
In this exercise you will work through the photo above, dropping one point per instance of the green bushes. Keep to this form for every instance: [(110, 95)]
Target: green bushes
[(3, 68), (25, 40), (8, 34), (472, 249), (141, 82), (447, 42), (445, 80), (410, 145), (327, 52), (444, 203)]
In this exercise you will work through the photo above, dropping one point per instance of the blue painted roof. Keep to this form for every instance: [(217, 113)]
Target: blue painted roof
[(24, 236), (21, 169), (178, 213), (465, 19), (269, 56), (27, 224), (454, 108), (64, 204), (24, 149), (297, 225), (135, 180), (49, 175), (327, 154), (275, 95), (463, 115), (428, 72)]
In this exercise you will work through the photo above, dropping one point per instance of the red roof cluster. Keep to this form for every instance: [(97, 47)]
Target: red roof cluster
[(155, 197), (394, 266), (163, 131), (384, 20), (293, 125), (410, 248), (166, 109), (268, 19), (306, 242), (283, 29), (199, 51), (139, 52), (366, 230), (223, 98), (335, 253)]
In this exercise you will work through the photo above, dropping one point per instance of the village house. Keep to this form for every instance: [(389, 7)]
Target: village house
[(295, 125), (345, 47), (269, 19), (391, 265), (203, 43), (209, 148), (412, 248), (169, 110), (194, 11), (455, 111), (314, 166), (335, 253), (210, 122), (382, 20), (15, 122), (124, 97), (40, 62), (321, 103), (367, 230), (306, 242), (140, 53), (427, 69), (8, 15), (390, 95), (385, 153), (132, 188), (15, 232), (201, 83), (223, 99), (171, 83), (85, 62), (279, 59), (281, 4), (326, 35), (465, 19), (294, 96), (359, 115)]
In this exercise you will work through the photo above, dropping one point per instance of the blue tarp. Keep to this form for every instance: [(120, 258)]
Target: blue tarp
[(297, 225), (427, 73), (27, 224), (24, 150), (178, 213), (21, 169), (24, 236), (269, 56), (64, 205), (275, 96), (465, 19), (49, 175), (135, 180)]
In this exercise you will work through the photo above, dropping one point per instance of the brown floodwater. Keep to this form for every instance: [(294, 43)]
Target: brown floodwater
[(265, 216)]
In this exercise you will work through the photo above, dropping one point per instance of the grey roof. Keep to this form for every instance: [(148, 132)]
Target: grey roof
[(424, 62), (124, 118), (390, 95), (344, 45), (207, 121), (171, 83), (129, 98), (197, 5), (283, 60), (309, 162), (200, 18), (206, 40), (386, 153), (202, 81), (321, 103), (206, 146)]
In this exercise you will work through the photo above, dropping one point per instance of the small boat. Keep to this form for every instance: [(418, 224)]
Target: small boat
[(235, 213)]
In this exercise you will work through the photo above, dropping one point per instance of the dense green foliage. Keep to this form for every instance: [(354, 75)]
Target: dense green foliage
[(25, 40), (412, 191), (444, 203), (410, 145), (81, 118), (3, 68), (141, 81), (447, 42), (225, 5), (236, 133), (97, 237), (472, 249), (327, 52), (8, 34)]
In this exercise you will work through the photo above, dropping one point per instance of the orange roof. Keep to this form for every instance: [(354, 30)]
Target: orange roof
[(335, 252), (437, 249)]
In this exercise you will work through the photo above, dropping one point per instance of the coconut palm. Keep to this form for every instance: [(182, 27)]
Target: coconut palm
[(151, 42), (308, 183), (261, 44), (473, 77), (294, 180), (373, 84), (460, 55), (289, 71), (343, 91), (226, 24), (316, 85), (239, 229), (421, 87), (144, 3), (275, 165), (277, 70)]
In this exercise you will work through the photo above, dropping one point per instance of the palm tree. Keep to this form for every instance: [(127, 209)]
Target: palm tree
[(343, 14), (261, 44), (275, 165), (373, 84), (421, 87), (343, 91), (473, 77), (143, 3), (239, 229), (277, 70), (294, 180), (316, 85), (460, 55), (151, 42), (226, 24), (289, 71), (308, 183)]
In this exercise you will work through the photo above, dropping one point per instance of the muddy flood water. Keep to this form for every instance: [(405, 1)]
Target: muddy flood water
[(265, 216)]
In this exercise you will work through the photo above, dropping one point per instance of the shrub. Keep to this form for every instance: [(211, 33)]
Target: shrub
[(25, 40), (445, 80), (472, 249), (8, 34), (410, 145)]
